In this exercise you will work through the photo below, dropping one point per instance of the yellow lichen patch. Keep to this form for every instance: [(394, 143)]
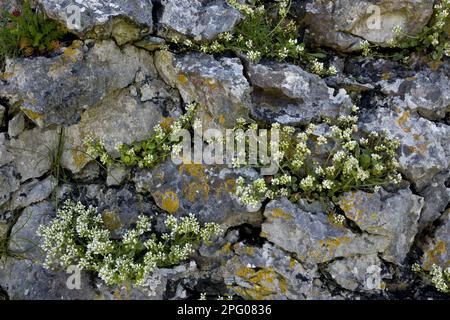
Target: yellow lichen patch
[(182, 78), (6, 75), (70, 54), (194, 170), (422, 148), (169, 201), (194, 191), (226, 248), (212, 83), (292, 263), (221, 120), (402, 120), (166, 123), (347, 203), (263, 234), (432, 256), (331, 246), (31, 114), (79, 158), (111, 220), (250, 251), (266, 282), (230, 185), (280, 213), (386, 76)]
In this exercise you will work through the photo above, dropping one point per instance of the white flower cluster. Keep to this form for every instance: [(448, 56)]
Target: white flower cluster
[(438, 276), (316, 166), (78, 236)]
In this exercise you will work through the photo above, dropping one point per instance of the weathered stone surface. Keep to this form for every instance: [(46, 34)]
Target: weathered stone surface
[(205, 191), (219, 86), (436, 251), (94, 13), (25, 278), (32, 192), (428, 93), (9, 182), (16, 125), (437, 198), (56, 90), (5, 155), (31, 152), (150, 43), (313, 237), (117, 174), (124, 32), (120, 208), (359, 273), (2, 113), (391, 215), (267, 273), (89, 173), (121, 118), (199, 20), (344, 24), (287, 94), (423, 151)]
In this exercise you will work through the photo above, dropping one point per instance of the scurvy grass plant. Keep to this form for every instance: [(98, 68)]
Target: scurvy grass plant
[(78, 236), (433, 40), (27, 32), (438, 277), (265, 32), (317, 166), (147, 153)]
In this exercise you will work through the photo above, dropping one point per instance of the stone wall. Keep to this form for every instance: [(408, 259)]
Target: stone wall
[(116, 81)]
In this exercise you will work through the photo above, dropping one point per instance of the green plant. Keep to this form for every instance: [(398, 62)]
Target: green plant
[(147, 153), (28, 31), (316, 166), (263, 33), (433, 40), (78, 236), (438, 277)]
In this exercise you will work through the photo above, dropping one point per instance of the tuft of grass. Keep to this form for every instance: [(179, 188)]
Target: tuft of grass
[(27, 31)]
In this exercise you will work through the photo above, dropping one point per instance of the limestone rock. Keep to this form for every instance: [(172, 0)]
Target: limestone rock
[(391, 215), (56, 90), (16, 125), (32, 192), (5, 155), (289, 95), (32, 151), (428, 93), (9, 182), (437, 198), (423, 151), (359, 273), (2, 113), (344, 24), (205, 191), (25, 278), (199, 20), (117, 174), (313, 237), (267, 273), (82, 16), (219, 86), (436, 251)]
